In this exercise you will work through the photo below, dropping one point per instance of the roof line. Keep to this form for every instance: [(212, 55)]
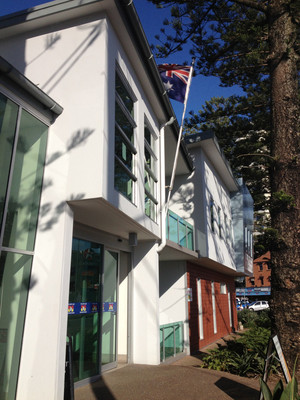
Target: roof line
[(17, 77)]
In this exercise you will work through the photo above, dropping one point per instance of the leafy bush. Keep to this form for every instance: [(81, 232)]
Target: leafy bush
[(244, 356), (252, 319)]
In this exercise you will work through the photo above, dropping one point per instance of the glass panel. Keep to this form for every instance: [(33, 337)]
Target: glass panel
[(173, 228), (122, 151), (190, 242), (169, 341), (14, 282), (150, 208), (110, 275), (23, 206), (123, 93), (182, 233), (147, 134), (84, 307), (123, 182), (123, 122), (178, 339), (8, 119)]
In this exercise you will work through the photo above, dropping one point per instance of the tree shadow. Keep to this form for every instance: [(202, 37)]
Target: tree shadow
[(98, 389), (237, 390)]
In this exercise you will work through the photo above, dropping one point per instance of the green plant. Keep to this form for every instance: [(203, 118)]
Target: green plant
[(290, 392), (254, 319), (244, 356)]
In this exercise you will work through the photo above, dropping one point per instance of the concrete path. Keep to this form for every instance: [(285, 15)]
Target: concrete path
[(180, 380)]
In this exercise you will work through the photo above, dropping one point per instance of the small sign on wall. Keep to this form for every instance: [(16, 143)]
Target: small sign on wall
[(189, 294)]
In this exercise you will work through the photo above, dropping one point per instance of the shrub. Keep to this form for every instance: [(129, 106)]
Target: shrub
[(244, 356), (252, 319)]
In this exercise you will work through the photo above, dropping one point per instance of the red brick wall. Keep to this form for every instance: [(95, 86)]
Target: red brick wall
[(195, 272)]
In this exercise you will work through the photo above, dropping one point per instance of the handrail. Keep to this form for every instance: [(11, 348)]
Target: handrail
[(169, 347)]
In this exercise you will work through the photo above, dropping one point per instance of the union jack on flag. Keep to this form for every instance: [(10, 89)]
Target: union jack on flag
[(175, 78)]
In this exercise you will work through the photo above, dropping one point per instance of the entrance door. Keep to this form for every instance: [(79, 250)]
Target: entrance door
[(109, 316), (84, 308)]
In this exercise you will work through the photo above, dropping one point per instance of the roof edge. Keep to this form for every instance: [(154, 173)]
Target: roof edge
[(10, 72)]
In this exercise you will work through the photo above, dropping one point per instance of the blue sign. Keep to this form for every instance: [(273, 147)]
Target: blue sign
[(83, 308), (110, 306)]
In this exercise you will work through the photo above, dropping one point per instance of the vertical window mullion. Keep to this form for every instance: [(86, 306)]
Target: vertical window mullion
[(10, 175)]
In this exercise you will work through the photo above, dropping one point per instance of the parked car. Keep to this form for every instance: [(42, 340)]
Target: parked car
[(258, 305)]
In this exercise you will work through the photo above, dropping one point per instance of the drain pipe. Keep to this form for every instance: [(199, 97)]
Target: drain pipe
[(163, 210)]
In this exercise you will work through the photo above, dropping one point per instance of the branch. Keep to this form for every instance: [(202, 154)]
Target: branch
[(252, 4), (257, 155)]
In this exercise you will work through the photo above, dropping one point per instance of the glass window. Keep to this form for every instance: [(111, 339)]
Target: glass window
[(212, 217), (223, 288), (14, 282), (150, 183), (22, 154), (124, 138), (84, 303), (8, 121), (24, 198), (219, 222), (124, 94)]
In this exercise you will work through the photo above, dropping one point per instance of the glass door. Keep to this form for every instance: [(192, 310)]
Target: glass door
[(109, 316), (84, 308)]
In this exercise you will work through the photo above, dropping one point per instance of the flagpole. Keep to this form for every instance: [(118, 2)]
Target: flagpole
[(180, 135)]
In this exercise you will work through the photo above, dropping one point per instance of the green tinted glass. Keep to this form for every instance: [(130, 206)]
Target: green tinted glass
[(85, 291), (8, 120), (24, 199), (14, 282)]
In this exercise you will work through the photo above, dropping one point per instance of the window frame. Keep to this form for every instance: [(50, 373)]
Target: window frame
[(127, 144), (152, 179)]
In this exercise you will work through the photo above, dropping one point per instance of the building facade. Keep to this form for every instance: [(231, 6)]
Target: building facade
[(258, 286), (87, 144)]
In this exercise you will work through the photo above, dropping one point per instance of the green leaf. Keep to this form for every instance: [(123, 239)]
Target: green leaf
[(278, 390), (265, 390)]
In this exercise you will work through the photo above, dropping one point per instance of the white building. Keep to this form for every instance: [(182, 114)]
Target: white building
[(82, 241)]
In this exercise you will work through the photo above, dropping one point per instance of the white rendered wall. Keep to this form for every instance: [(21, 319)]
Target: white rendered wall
[(220, 248), (173, 305), (123, 304), (145, 305), (191, 201), (72, 71), (78, 71)]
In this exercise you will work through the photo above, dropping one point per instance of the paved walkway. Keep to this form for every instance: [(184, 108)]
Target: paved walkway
[(180, 380)]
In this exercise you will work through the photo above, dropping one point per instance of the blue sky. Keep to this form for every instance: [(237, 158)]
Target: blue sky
[(202, 88)]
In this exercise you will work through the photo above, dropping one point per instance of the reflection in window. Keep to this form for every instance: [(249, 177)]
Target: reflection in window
[(26, 184), (14, 282), (8, 120)]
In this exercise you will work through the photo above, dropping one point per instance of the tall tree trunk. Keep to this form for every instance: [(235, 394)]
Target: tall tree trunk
[(285, 178)]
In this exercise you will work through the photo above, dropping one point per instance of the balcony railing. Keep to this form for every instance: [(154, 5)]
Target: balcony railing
[(171, 340), (179, 231)]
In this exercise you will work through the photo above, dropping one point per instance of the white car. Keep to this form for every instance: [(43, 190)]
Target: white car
[(259, 305)]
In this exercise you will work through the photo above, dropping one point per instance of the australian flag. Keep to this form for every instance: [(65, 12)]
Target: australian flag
[(175, 78)]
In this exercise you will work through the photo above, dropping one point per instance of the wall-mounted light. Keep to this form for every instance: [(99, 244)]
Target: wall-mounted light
[(133, 241)]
